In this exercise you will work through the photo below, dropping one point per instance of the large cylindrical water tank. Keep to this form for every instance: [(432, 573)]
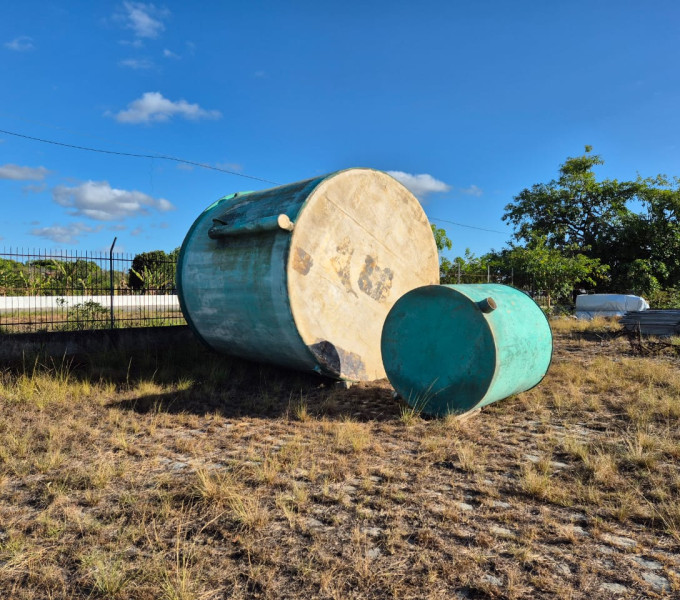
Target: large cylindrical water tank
[(303, 275), (451, 348)]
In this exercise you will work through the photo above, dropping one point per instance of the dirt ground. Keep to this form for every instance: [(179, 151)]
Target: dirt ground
[(186, 475)]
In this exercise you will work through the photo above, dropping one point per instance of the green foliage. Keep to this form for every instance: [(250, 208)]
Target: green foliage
[(667, 298), (468, 268), (12, 275), (51, 277), (577, 214), (574, 208), (86, 315), (153, 271), (552, 271), (440, 238)]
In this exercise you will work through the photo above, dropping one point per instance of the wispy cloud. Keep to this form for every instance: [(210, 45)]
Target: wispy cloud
[(23, 43), (35, 188), (64, 234), (472, 190), (170, 54), (18, 173), (132, 43), (137, 231), (145, 20), (229, 166), (137, 63), (152, 107), (421, 185), (99, 201)]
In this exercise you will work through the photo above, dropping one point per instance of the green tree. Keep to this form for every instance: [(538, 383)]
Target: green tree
[(153, 271), (52, 276), (441, 239), (576, 213), (574, 210), (12, 276), (443, 243), (468, 268), (644, 252), (552, 271)]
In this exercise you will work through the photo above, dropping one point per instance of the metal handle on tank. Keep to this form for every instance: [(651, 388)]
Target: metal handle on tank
[(220, 229)]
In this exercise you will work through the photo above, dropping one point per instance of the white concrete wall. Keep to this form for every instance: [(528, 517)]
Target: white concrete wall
[(39, 303)]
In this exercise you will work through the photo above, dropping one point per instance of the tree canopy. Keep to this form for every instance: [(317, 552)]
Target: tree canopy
[(630, 227), (154, 270)]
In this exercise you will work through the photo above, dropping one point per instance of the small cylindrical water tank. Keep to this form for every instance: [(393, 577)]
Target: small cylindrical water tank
[(451, 348), (303, 275)]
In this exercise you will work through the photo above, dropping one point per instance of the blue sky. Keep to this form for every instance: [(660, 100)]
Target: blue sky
[(469, 101)]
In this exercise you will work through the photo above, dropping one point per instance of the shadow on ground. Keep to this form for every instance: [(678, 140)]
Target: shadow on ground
[(189, 378)]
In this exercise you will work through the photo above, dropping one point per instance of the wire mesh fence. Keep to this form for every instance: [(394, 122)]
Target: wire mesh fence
[(508, 276), (64, 290)]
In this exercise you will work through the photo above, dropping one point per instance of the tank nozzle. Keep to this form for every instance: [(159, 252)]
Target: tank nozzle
[(487, 305)]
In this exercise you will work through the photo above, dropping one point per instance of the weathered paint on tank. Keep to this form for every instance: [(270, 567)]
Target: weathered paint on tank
[(247, 273), (452, 348), (303, 275)]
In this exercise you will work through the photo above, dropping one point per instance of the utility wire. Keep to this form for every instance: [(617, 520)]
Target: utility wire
[(469, 226), (197, 164), (132, 154)]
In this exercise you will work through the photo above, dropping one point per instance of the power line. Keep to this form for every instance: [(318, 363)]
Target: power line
[(134, 155), (469, 226), (196, 164)]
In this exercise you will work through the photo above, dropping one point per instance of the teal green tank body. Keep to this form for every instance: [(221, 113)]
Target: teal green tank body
[(232, 290), (447, 350)]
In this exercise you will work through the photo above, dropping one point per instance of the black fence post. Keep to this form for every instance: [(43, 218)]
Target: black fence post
[(111, 279)]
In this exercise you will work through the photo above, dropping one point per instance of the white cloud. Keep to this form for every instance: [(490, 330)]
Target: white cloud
[(99, 201), (137, 63), (152, 107), (473, 190), (18, 173), (170, 54), (118, 227), (63, 234), (23, 43), (421, 185), (145, 20), (137, 231)]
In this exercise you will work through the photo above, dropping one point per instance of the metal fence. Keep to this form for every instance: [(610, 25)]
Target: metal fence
[(64, 290), (487, 274)]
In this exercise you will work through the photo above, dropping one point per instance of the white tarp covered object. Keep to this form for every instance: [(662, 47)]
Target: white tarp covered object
[(607, 305)]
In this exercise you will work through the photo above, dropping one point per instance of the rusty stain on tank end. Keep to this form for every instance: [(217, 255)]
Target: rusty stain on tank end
[(339, 362), (341, 264), (374, 281), (302, 262)]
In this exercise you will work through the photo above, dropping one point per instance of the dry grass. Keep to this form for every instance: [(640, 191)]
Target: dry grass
[(192, 476)]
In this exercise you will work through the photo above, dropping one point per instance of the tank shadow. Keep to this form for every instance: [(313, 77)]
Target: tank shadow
[(361, 404), (196, 380)]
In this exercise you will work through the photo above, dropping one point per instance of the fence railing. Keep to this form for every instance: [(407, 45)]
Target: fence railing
[(62, 290)]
